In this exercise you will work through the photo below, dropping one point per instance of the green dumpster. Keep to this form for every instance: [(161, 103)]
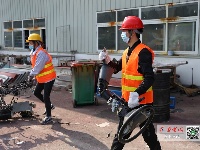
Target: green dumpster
[(83, 83)]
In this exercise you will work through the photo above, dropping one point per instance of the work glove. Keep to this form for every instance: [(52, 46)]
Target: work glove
[(103, 56), (133, 100), (31, 81), (30, 78)]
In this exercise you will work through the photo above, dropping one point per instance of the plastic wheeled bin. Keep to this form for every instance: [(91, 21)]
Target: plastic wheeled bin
[(83, 83)]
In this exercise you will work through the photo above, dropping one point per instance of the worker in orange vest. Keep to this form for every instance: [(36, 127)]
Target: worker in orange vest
[(137, 77), (44, 73)]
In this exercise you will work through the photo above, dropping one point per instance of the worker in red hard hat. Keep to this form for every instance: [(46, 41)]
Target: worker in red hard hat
[(137, 77)]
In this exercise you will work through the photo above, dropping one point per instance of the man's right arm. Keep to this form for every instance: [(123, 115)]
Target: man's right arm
[(117, 65), (41, 59)]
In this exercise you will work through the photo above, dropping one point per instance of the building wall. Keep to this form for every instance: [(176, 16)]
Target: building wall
[(79, 14)]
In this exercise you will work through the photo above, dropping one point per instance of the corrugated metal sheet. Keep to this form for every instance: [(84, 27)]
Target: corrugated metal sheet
[(79, 14)]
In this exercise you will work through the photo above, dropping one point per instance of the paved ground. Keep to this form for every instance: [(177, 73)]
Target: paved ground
[(86, 127)]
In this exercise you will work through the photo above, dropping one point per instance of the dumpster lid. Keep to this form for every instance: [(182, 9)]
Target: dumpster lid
[(83, 62), (162, 70)]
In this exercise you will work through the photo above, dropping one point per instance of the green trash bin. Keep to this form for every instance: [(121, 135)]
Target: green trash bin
[(83, 83)]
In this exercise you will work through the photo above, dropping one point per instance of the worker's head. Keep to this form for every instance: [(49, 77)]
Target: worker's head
[(132, 27), (34, 41)]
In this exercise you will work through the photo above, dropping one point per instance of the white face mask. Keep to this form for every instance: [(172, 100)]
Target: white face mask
[(124, 37), (31, 47)]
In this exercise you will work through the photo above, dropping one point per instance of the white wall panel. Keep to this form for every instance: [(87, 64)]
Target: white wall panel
[(113, 2), (163, 2), (156, 2), (127, 3), (99, 5), (133, 3), (118, 4), (176, 1), (144, 2), (79, 14)]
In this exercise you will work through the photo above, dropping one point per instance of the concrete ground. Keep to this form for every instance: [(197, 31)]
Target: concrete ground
[(86, 127)]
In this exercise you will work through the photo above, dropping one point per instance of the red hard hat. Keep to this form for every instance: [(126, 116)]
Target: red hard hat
[(131, 22)]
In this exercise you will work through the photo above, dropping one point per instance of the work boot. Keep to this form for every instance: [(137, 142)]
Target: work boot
[(47, 120), (52, 107)]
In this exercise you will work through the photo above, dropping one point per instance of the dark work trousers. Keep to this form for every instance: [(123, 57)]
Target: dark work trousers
[(149, 134), (47, 87)]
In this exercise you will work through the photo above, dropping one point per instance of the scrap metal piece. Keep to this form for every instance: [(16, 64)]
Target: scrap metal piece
[(21, 107)]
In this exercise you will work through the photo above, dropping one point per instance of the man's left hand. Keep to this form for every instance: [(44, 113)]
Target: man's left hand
[(133, 100), (30, 78)]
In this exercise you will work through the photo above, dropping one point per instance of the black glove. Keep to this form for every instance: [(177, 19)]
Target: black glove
[(125, 110)]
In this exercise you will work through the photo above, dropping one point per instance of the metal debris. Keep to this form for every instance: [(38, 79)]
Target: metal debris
[(109, 134), (21, 142), (105, 124), (177, 110), (67, 123), (170, 19)]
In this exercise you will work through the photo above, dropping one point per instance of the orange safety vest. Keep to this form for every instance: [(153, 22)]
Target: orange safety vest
[(131, 78), (47, 73)]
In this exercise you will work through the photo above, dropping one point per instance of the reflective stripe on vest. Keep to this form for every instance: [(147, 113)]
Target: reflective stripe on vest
[(48, 65), (130, 89), (131, 78), (47, 73)]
